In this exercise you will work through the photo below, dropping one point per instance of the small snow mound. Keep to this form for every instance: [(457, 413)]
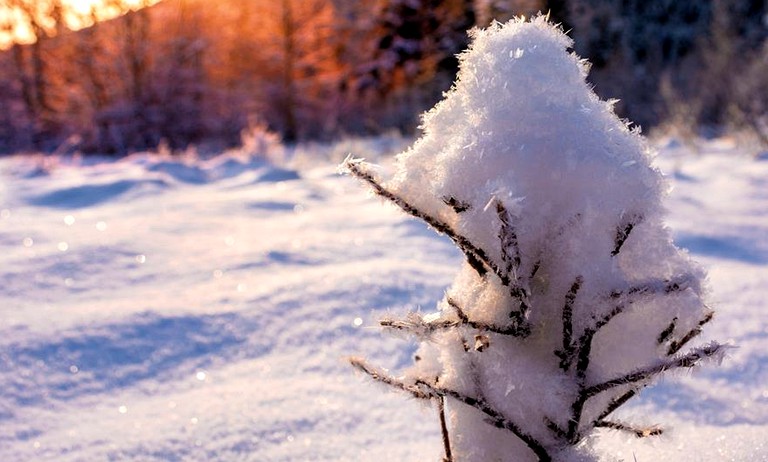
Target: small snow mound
[(95, 194), (180, 171), (278, 174), (229, 166)]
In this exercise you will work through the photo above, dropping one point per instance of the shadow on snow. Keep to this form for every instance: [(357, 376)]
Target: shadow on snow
[(729, 248), (90, 195), (115, 356)]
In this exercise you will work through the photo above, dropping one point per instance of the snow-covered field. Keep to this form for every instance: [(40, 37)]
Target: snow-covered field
[(160, 309)]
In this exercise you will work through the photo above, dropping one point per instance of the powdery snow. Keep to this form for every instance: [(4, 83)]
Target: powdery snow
[(197, 311), (556, 199)]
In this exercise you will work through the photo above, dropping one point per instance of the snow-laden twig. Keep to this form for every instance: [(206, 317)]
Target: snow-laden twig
[(641, 375), (477, 258)]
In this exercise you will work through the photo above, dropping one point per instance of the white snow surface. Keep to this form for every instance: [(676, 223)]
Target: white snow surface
[(162, 309)]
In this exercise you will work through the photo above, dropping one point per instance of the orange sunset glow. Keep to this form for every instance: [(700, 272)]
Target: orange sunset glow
[(16, 15)]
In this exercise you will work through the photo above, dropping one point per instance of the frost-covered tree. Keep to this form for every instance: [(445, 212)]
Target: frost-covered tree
[(573, 297)]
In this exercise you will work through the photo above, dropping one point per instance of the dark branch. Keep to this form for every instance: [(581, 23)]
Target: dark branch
[(686, 361), (689, 360), (555, 428), (666, 333), (513, 329), (638, 432), (616, 403), (494, 417), (584, 344), (510, 247), (444, 429), (585, 347), (510, 256), (675, 346), (380, 376), (568, 347), (623, 232), (457, 205), (414, 324), (476, 257), (657, 287), (582, 348), (535, 269)]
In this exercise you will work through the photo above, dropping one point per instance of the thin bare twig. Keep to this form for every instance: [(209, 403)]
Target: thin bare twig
[(457, 205), (414, 324), (383, 377), (638, 432), (583, 352), (514, 329), (510, 256), (555, 428), (623, 232), (677, 345), (686, 361), (656, 287), (616, 403), (510, 247), (494, 417), (476, 257), (667, 332), (444, 429), (568, 348)]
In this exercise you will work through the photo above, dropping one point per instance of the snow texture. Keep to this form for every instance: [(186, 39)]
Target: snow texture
[(573, 297), (225, 342)]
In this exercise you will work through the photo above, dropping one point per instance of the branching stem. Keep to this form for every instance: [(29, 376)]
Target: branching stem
[(476, 256), (677, 345), (494, 417), (386, 379), (514, 330)]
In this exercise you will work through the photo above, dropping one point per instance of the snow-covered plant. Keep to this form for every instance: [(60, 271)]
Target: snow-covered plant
[(573, 297)]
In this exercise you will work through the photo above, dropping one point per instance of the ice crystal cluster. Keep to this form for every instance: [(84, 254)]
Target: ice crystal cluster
[(573, 296)]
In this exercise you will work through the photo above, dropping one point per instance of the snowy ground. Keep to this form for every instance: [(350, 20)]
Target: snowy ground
[(161, 309)]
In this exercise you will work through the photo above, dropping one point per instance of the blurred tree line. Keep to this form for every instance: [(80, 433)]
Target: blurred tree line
[(184, 72)]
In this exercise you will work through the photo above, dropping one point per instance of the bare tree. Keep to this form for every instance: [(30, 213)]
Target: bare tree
[(301, 51), (31, 62)]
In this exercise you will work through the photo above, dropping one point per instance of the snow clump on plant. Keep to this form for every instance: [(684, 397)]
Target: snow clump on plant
[(573, 296)]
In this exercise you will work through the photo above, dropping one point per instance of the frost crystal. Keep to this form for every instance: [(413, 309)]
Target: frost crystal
[(573, 297)]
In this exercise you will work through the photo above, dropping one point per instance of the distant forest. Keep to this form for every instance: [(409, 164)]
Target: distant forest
[(196, 72)]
